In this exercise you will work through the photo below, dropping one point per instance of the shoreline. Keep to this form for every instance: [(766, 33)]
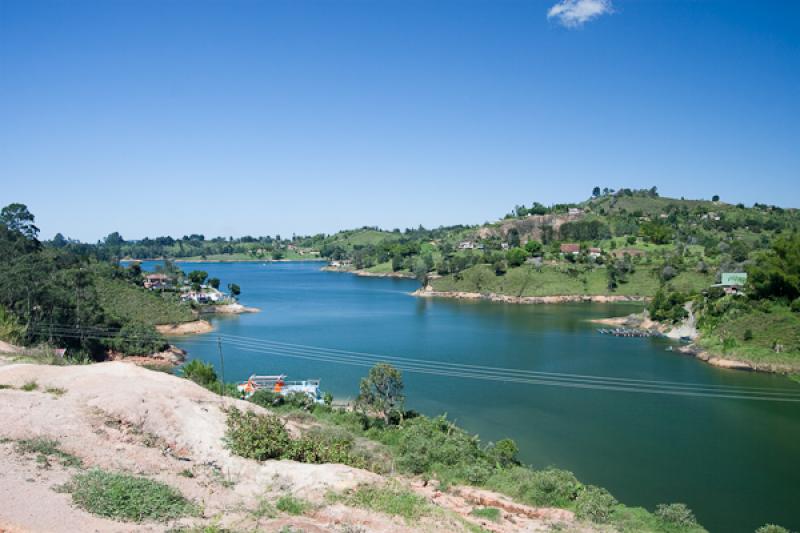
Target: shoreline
[(195, 327), (228, 309), (674, 332), (427, 292), (315, 260)]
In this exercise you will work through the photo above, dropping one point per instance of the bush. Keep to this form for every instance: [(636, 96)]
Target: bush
[(795, 306), (424, 442), (255, 436), (677, 514), (549, 487), (748, 334), (266, 398), (200, 372), (503, 453), (595, 504), (126, 497), (263, 437)]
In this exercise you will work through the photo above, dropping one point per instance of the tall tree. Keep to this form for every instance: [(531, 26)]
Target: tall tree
[(382, 391), (16, 217)]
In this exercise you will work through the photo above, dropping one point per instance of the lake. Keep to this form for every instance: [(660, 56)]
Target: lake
[(734, 462)]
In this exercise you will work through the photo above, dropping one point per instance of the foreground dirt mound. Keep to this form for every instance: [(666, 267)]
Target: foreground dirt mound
[(123, 418)]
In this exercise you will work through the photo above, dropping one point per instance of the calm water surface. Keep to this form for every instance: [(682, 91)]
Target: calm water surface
[(735, 463)]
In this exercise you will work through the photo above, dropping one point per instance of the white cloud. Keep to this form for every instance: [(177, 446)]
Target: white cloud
[(573, 13)]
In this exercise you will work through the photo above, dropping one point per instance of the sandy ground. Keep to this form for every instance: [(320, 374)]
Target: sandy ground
[(120, 417), (185, 328)]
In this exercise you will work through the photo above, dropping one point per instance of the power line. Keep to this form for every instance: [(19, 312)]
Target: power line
[(327, 355)]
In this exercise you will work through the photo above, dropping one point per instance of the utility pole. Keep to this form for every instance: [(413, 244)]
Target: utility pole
[(221, 367)]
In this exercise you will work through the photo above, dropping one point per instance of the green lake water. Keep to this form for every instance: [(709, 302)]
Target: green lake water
[(734, 462)]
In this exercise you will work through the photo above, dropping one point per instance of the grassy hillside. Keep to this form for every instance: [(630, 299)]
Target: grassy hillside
[(562, 280), (126, 302)]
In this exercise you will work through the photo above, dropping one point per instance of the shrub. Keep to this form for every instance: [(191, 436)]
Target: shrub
[(748, 334), (503, 453), (595, 504), (30, 386), (677, 514), (291, 505), (424, 442), (126, 497), (549, 487), (200, 372), (266, 398), (256, 436), (795, 307)]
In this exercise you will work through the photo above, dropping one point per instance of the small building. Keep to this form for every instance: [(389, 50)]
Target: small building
[(156, 281), (574, 211), (732, 282), (595, 252), (571, 248), (504, 245), (466, 245)]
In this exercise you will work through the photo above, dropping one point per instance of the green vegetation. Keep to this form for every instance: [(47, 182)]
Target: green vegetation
[(66, 297), (292, 505), (433, 448), (390, 499), (30, 386), (489, 513), (125, 497), (47, 448), (262, 437)]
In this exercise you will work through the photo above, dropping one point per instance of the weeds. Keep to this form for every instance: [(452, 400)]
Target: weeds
[(489, 513), (46, 448), (126, 497), (55, 391), (391, 499), (30, 386), (291, 505)]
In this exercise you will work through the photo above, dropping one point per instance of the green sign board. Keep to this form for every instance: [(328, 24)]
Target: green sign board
[(734, 278)]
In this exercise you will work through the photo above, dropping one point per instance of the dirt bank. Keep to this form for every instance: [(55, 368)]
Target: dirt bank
[(428, 292), (185, 328), (123, 418)]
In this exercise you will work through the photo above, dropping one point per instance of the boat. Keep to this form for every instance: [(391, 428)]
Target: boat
[(279, 385)]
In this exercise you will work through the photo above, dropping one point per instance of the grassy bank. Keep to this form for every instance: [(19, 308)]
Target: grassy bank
[(123, 301), (562, 280)]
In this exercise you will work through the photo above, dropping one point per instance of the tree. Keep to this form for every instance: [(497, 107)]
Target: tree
[(16, 217), (214, 282), (513, 237), (776, 273), (596, 192), (197, 277), (516, 256), (382, 391), (715, 198), (533, 247), (235, 289)]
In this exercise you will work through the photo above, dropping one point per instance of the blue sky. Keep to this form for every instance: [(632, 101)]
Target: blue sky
[(246, 117)]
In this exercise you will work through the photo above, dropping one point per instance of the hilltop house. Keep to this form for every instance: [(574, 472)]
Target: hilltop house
[(571, 248), (595, 252), (574, 211), (732, 282), (156, 281), (466, 245)]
